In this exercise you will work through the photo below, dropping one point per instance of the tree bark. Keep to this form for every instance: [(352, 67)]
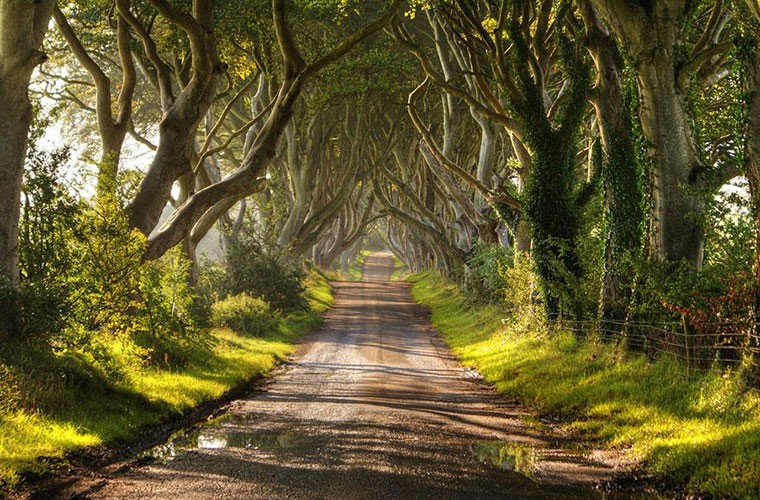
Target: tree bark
[(649, 32), (676, 211), (181, 114), (752, 171), (621, 176), (22, 29)]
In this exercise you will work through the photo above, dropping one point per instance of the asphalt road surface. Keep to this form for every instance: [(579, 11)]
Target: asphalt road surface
[(372, 406)]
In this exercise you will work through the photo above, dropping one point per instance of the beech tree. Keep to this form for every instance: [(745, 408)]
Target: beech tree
[(651, 34), (508, 44), (22, 29), (112, 128), (621, 173)]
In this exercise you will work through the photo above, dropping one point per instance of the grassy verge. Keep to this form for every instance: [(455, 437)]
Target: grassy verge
[(701, 431), (94, 412)]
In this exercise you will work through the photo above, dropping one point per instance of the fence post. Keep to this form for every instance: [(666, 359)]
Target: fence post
[(686, 344)]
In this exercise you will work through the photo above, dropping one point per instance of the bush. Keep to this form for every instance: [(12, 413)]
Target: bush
[(85, 290), (484, 282), (260, 270), (245, 314), (165, 324), (10, 394), (49, 218)]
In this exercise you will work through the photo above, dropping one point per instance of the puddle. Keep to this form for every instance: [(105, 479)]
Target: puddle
[(505, 455), (213, 436)]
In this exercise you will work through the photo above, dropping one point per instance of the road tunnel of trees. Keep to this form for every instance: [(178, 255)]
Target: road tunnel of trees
[(606, 152)]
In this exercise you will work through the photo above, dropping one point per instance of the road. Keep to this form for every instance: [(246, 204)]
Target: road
[(372, 406)]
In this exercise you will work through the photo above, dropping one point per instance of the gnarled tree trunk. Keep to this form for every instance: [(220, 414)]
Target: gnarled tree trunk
[(650, 33), (621, 174)]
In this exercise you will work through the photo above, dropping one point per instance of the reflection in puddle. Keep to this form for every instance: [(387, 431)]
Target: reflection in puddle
[(506, 456), (215, 437)]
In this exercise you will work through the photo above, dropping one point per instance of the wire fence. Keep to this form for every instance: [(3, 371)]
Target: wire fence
[(714, 345)]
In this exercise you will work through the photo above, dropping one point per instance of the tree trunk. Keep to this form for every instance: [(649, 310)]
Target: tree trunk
[(676, 211), (302, 183), (649, 31), (752, 169), (172, 160), (22, 28), (621, 174)]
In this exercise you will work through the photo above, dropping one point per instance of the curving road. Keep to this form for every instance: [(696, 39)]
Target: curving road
[(371, 407)]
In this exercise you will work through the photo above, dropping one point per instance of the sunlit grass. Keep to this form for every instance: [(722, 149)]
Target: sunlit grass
[(702, 430), (94, 415)]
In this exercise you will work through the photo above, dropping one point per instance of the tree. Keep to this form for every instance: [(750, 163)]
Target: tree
[(295, 73), (22, 29), (621, 173), (652, 34), (112, 129)]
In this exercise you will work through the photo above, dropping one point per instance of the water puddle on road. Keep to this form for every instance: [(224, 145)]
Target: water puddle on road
[(215, 435), (505, 455), (525, 460)]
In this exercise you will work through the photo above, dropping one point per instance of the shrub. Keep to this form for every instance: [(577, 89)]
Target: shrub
[(484, 282), (10, 394), (211, 287), (49, 218), (264, 271), (165, 324), (245, 314), (522, 296)]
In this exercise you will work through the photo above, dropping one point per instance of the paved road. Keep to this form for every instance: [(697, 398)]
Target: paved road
[(371, 407)]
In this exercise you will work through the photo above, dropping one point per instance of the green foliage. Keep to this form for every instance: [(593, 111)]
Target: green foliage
[(665, 288), (167, 326), (262, 270), (245, 315), (521, 296), (84, 290), (10, 394), (48, 224), (55, 402), (729, 231), (211, 287), (550, 196), (484, 281)]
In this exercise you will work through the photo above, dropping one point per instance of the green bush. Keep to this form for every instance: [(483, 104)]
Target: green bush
[(245, 314), (10, 394), (484, 281), (211, 287), (49, 223), (166, 324), (262, 270), (84, 289)]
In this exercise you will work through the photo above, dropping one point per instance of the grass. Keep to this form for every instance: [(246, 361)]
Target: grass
[(701, 431), (95, 412)]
